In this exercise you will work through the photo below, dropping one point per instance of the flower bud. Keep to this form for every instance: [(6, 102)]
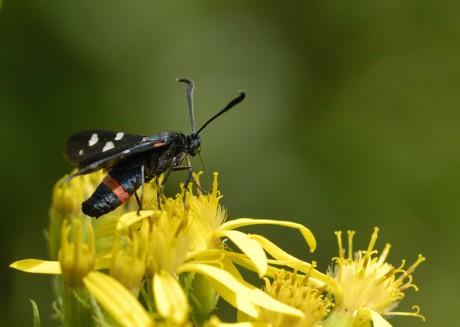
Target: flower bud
[(76, 256)]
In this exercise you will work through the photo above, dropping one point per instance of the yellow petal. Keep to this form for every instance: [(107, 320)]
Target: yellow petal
[(315, 276), (242, 324), (242, 296), (226, 285), (274, 250), (267, 302), (284, 258), (366, 317), (121, 305), (215, 322), (249, 247), (241, 222), (103, 263), (230, 267), (170, 299), (131, 218), (36, 266), (378, 320)]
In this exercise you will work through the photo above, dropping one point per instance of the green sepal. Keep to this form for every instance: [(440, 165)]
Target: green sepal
[(36, 313)]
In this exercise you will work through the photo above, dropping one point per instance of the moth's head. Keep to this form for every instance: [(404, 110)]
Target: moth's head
[(193, 144)]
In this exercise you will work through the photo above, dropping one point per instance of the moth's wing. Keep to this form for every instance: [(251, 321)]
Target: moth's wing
[(109, 157), (88, 147)]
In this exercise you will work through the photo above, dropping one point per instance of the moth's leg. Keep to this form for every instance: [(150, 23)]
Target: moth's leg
[(141, 200), (161, 185), (143, 182), (179, 168), (139, 203), (190, 177), (198, 186), (190, 172)]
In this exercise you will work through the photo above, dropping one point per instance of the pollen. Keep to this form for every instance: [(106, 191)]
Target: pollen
[(368, 281), (299, 292)]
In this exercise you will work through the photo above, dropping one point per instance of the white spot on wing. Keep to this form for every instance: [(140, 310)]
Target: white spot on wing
[(93, 140), (80, 152), (119, 136), (108, 146), (127, 151)]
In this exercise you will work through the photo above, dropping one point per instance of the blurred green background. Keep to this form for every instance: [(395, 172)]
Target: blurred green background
[(351, 120)]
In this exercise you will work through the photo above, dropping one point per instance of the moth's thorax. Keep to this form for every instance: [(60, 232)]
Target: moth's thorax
[(167, 137), (193, 143)]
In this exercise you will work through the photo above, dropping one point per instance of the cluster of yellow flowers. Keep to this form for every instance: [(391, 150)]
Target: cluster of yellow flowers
[(170, 264)]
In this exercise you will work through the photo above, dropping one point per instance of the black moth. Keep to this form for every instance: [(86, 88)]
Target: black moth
[(131, 160)]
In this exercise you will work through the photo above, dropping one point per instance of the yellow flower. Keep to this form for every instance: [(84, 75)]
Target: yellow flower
[(299, 292), (187, 236), (66, 205), (370, 287), (172, 255), (128, 258), (77, 263), (76, 256), (117, 300)]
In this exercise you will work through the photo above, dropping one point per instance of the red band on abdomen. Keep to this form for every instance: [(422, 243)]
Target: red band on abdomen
[(116, 188)]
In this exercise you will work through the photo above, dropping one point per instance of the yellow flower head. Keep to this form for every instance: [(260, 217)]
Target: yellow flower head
[(169, 241), (76, 256), (184, 224), (207, 216), (299, 292), (369, 282), (128, 257), (68, 195), (172, 254)]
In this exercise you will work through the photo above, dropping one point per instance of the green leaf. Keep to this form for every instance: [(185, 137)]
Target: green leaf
[(36, 313)]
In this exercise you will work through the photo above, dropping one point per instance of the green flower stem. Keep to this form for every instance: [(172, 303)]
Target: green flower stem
[(76, 307), (202, 297)]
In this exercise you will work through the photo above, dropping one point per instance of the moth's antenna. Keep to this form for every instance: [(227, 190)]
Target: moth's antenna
[(230, 105), (190, 88)]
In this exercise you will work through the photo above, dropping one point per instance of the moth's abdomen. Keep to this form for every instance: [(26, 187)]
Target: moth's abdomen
[(114, 190)]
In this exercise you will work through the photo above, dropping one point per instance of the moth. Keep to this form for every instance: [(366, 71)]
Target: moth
[(132, 160)]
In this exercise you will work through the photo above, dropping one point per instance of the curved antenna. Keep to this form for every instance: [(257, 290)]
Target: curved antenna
[(190, 88), (230, 105)]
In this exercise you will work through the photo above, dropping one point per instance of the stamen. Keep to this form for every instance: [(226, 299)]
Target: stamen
[(416, 313), (419, 260), (374, 237), (409, 285), (388, 274), (401, 266), (338, 234), (411, 269), (351, 233), (78, 241), (385, 253), (267, 282), (215, 192), (91, 239)]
